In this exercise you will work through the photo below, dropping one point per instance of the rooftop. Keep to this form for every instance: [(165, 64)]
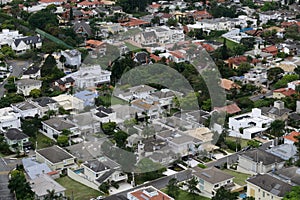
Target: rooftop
[(259, 155), (213, 175), (292, 136), (55, 154), (15, 134)]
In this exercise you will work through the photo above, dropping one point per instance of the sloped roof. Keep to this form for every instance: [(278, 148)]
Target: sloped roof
[(292, 136), (28, 40), (55, 154), (15, 134), (213, 175), (258, 155), (84, 25), (230, 109), (59, 124)]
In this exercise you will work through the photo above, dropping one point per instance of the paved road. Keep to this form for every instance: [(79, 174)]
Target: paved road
[(159, 183), (18, 66), (4, 170)]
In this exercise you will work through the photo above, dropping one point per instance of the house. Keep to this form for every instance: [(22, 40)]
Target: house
[(90, 76), (88, 97), (199, 15), (21, 45), (149, 107), (165, 97), (9, 119), (7, 36), (291, 138), (235, 35), (228, 84), (230, 109), (235, 62), (24, 86), (267, 187), (284, 151), (149, 192), (293, 84), (211, 179), (87, 123), (153, 8), (73, 57), (256, 76), (17, 140), (34, 169), (42, 184), (278, 111), (44, 104), (55, 126), (96, 47), (283, 92), (271, 49), (257, 161), (289, 175), (65, 83), (25, 109), (141, 58), (69, 102), (56, 158), (103, 170), (82, 28), (133, 140), (105, 115), (134, 22), (33, 72), (49, 2), (89, 4)]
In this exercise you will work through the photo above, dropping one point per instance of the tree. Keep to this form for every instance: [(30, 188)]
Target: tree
[(172, 22), (274, 74), (253, 143), (172, 188), (62, 59), (192, 187), (223, 194), (35, 93), (120, 138), (4, 147), (294, 194), (71, 15), (108, 128), (62, 140), (277, 128), (20, 186), (43, 18), (104, 187)]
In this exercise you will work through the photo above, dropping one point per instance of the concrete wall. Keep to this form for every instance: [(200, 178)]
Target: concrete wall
[(82, 180)]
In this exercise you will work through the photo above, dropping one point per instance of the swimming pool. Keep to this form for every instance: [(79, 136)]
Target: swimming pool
[(243, 196), (78, 171)]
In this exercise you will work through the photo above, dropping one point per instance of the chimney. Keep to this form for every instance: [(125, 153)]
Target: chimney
[(298, 107), (279, 105)]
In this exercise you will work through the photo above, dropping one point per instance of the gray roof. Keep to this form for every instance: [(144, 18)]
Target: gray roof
[(275, 111), (289, 174), (15, 134), (160, 94), (105, 175), (259, 155), (102, 164), (213, 175), (270, 184), (24, 105), (149, 35), (28, 81), (141, 89), (284, 151), (44, 101), (33, 168), (28, 40), (31, 70), (43, 183), (55, 154), (59, 124), (84, 26), (83, 119)]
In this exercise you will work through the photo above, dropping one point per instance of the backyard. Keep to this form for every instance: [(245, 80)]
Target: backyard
[(42, 141), (240, 178), (184, 195), (76, 190)]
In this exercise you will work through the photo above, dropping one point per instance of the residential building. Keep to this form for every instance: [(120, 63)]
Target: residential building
[(34, 169), (21, 45), (291, 138), (266, 187), (96, 48), (249, 125), (69, 102), (259, 161), (230, 109), (284, 151), (105, 115), (9, 119), (211, 179), (82, 28), (235, 35), (25, 109), (278, 111), (283, 92), (229, 84), (24, 86), (165, 97), (65, 84), (90, 76), (149, 107), (88, 97), (256, 76), (55, 126), (44, 104), (17, 140), (293, 84), (73, 57), (33, 72), (7, 36), (56, 158), (42, 184), (271, 49), (149, 193), (289, 175)]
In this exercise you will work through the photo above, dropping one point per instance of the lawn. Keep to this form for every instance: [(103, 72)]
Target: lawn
[(77, 190), (240, 178), (116, 101), (42, 141), (184, 195), (131, 47), (243, 141), (229, 43)]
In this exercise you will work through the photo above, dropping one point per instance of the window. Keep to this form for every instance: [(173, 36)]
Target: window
[(217, 185), (263, 194)]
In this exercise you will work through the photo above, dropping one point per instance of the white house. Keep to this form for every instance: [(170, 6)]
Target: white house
[(7, 36), (73, 57), (90, 76), (235, 35), (33, 72), (149, 193), (55, 126), (44, 104), (25, 109), (291, 138), (69, 102), (248, 125), (9, 119), (24, 86), (17, 140), (21, 45)]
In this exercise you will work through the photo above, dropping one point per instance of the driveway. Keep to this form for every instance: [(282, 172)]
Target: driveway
[(4, 191)]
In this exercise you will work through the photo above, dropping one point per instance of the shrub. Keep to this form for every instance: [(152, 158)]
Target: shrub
[(201, 165)]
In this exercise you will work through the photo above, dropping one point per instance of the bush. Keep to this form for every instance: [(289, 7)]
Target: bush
[(201, 165), (104, 187), (115, 184), (233, 145)]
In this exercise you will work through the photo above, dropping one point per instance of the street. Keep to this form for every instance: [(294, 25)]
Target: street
[(4, 170), (17, 71)]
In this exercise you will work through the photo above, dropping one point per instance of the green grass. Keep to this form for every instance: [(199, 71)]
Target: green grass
[(243, 141), (78, 190), (240, 178), (229, 43), (184, 195), (116, 100), (42, 141), (131, 47)]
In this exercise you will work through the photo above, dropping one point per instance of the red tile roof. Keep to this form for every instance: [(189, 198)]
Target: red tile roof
[(155, 57), (228, 84), (94, 43), (230, 109), (51, 1), (285, 91), (292, 136), (271, 49), (90, 3), (140, 195), (134, 22), (177, 54), (287, 24), (155, 5), (241, 59)]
